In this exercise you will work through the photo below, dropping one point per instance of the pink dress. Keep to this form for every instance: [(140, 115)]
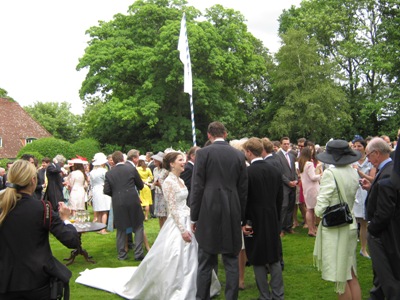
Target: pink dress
[(310, 183)]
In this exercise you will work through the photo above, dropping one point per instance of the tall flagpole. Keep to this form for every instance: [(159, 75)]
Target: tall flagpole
[(184, 56)]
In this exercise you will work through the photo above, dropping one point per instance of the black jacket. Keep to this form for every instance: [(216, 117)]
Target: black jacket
[(24, 248), (54, 185)]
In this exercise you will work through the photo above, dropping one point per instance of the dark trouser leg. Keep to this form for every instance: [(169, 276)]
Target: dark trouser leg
[(276, 282), (139, 242), (261, 275), (231, 264), (121, 244), (289, 210), (385, 284), (206, 263), (283, 218)]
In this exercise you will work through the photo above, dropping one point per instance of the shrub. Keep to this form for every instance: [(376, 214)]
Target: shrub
[(49, 147), (4, 161)]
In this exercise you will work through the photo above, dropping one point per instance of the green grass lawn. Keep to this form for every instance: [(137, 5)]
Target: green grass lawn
[(302, 281)]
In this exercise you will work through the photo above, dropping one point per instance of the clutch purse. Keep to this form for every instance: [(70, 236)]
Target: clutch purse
[(337, 215)]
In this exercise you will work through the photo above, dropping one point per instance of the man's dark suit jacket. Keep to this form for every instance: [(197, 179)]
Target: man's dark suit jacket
[(372, 196), (122, 183), (54, 185), (263, 208), (40, 182), (186, 176), (273, 161), (288, 174), (218, 198)]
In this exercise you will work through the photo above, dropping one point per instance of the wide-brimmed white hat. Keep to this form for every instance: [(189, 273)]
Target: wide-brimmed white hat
[(99, 159), (142, 157)]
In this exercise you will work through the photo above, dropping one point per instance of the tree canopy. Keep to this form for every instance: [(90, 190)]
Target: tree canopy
[(57, 119), (361, 37), (312, 104), (134, 86)]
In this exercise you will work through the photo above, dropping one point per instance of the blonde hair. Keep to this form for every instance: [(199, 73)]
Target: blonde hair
[(20, 175)]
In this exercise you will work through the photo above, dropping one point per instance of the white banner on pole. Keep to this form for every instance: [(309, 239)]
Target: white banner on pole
[(184, 56)]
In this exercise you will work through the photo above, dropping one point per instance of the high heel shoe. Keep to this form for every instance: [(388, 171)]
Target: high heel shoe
[(366, 256)]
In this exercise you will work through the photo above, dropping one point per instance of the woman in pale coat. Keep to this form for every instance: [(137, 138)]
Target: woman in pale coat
[(335, 247), (101, 202)]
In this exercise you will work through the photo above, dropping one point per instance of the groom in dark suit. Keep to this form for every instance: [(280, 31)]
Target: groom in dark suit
[(217, 202), (289, 177)]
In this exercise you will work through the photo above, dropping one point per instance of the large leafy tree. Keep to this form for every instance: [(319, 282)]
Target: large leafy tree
[(351, 32), (134, 86), (57, 119), (313, 105)]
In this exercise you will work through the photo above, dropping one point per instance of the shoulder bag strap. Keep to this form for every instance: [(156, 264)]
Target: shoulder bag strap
[(340, 195)]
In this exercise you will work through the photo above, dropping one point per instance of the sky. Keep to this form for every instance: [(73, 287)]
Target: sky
[(42, 41)]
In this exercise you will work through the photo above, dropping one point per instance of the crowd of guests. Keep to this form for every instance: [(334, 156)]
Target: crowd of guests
[(237, 200)]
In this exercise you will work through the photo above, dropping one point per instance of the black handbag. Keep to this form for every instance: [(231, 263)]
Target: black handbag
[(337, 215)]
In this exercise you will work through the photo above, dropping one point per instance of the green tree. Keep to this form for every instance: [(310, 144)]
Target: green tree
[(86, 148), (312, 104), (352, 33), (133, 64), (4, 94), (57, 119)]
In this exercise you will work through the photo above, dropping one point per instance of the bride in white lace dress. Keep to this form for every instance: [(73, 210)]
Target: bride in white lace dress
[(169, 270)]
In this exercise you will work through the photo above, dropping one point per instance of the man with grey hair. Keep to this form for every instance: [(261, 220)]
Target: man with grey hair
[(379, 210), (133, 157), (55, 185)]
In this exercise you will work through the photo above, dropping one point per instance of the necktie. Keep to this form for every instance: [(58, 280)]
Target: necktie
[(288, 159)]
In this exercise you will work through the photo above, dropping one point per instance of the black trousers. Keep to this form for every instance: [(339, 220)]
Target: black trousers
[(385, 284), (287, 210)]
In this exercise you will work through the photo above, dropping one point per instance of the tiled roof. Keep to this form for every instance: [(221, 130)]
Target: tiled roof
[(16, 125)]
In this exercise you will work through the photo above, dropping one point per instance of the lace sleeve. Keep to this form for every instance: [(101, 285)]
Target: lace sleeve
[(169, 190)]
